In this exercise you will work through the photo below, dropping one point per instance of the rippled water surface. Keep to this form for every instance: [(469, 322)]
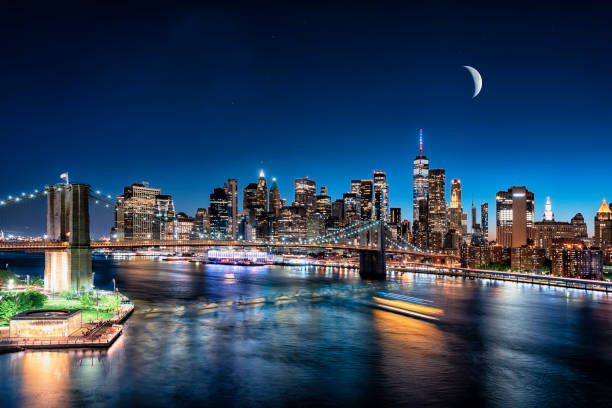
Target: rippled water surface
[(498, 343)]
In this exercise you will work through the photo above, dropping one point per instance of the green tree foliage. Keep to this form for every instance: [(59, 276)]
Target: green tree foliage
[(13, 303)]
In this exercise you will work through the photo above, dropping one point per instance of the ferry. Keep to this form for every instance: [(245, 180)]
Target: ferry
[(243, 258), (406, 305)]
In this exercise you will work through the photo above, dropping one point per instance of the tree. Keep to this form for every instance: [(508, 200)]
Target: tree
[(30, 299)]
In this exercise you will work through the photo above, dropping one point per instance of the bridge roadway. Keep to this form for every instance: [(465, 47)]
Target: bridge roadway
[(33, 246)]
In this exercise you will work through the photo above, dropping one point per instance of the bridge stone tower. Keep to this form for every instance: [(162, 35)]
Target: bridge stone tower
[(372, 264), (68, 221), (68, 214)]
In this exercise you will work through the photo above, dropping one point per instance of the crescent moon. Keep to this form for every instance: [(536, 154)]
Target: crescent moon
[(477, 79)]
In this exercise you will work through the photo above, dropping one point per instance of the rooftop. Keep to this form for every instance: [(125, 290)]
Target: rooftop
[(45, 314)]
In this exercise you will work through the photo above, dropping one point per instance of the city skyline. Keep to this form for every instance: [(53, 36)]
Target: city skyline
[(271, 91)]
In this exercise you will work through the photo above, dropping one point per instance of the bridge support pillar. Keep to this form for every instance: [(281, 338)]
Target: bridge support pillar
[(68, 270), (372, 263)]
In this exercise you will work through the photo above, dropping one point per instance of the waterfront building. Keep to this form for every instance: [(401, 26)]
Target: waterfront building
[(201, 224), (306, 193), (164, 212), (420, 184), (527, 259), (603, 226), (179, 227), (275, 199), (437, 223), (572, 259), (292, 223), (381, 186), (219, 213), (232, 192), (482, 257), (514, 216), (315, 225), (136, 209)]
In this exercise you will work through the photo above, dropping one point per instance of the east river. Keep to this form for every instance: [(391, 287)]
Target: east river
[(498, 344)]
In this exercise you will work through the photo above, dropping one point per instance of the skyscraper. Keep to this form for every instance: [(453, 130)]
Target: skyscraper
[(396, 215), (351, 210), (455, 210), (420, 192), (305, 193), (420, 174), (603, 226), (436, 208), (262, 192), (474, 223), (366, 192), (219, 213), (232, 192), (382, 186), (514, 216), (324, 203), (484, 220), (275, 199), (136, 212), (548, 213)]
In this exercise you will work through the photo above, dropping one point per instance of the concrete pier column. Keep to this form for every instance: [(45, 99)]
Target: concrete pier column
[(68, 214), (68, 270), (372, 263)]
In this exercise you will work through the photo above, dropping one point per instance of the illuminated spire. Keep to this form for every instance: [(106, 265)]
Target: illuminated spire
[(420, 142), (548, 213), (604, 207), (261, 174)]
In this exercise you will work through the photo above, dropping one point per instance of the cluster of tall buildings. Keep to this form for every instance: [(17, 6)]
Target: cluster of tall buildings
[(436, 225), (144, 213), (522, 243)]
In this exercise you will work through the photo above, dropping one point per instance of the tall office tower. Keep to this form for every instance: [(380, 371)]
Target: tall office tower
[(262, 192), (250, 203), (514, 216), (275, 199), (366, 192), (580, 227), (484, 220), (548, 213), (164, 212), (306, 193), (219, 213), (324, 203), (603, 226), (473, 217), (381, 185), (338, 210), (351, 208), (396, 216), (420, 182), (232, 192), (436, 204), (136, 212), (356, 186), (455, 193), (201, 224)]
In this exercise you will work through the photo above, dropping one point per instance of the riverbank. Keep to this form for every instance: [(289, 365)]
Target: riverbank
[(546, 280), (92, 334)]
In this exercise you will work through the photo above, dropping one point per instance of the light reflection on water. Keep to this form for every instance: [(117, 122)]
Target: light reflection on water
[(502, 344)]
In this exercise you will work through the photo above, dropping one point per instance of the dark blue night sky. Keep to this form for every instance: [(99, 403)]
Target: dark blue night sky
[(187, 97)]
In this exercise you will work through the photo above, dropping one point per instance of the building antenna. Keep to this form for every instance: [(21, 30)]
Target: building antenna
[(421, 142)]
